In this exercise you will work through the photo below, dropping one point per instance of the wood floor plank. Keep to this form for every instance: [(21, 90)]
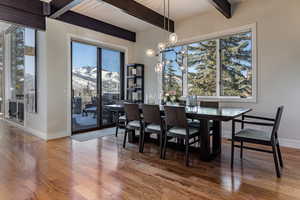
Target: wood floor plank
[(31, 168)]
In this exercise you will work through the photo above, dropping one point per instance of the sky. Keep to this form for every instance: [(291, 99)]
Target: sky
[(29, 60), (171, 56), (86, 55)]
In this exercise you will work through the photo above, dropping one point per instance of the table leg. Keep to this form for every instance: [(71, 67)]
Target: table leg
[(131, 136), (217, 137), (205, 140)]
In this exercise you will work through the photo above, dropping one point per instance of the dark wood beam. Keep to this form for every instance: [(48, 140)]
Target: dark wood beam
[(223, 6), (59, 7), (96, 25), (140, 11), (24, 12), (31, 6)]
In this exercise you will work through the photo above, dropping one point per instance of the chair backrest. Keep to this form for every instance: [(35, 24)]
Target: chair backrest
[(151, 114), (209, 104), (277, 121), (132, 111), (120, 102), (175, 116)]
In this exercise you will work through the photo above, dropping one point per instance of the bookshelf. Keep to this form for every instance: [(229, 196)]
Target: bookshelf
[(135, 83)]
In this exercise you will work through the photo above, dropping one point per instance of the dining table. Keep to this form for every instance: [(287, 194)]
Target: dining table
[(209, 150)]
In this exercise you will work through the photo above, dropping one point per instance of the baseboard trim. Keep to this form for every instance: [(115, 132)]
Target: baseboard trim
[(283, 141), (36, 133), (58, 135), (28, 130)]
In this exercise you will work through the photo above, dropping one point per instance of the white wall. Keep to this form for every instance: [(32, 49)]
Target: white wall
[(58, 37), (278, 46), (36, 123), (53, 119), (145, 40)]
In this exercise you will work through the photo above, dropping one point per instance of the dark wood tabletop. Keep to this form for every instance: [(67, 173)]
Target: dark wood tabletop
[(197, 112), (208, 151)]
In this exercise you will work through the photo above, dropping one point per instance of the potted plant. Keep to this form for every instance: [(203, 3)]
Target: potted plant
[(170, 98)]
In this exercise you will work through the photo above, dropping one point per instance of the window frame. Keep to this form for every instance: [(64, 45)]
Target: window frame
[(217, 36)]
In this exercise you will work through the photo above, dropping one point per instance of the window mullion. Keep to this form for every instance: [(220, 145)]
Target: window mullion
[(218, 78)]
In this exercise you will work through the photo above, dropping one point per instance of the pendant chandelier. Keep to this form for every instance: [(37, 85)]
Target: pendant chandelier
[(161, 46)]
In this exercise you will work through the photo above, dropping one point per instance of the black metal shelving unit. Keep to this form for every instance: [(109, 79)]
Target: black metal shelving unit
[(135, 83)]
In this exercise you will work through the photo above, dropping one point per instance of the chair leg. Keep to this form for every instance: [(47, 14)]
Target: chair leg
[(232, 152), (117, 128), (187, 153), (165, 146), (279, 155), (161, 144), (241, 152), (125, 136), (276, 161), (142, 141)]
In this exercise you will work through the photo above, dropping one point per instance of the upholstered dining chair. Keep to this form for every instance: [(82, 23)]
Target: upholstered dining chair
[(268, 138), (153, 124), (133, 121), (177, 127)]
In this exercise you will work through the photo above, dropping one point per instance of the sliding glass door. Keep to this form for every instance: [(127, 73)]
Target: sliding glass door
[(97, 80), (111, 81), (84, 87)]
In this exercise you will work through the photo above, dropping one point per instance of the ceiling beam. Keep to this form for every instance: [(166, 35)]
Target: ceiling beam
[(23, 12), (32, 6), (140, 11), (97, 25), (59, 7), (223, 6)]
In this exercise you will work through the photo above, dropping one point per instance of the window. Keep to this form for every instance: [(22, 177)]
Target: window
[(22, 64), (202, 68), (220, 68), (236, 65), (18, 65), (30, 69), (172, 74)]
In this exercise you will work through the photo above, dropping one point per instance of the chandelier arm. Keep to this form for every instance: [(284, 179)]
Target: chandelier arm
[(164, 14), (169, 15)]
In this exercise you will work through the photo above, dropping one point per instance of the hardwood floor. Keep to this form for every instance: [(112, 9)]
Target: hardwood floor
[(101, 169)]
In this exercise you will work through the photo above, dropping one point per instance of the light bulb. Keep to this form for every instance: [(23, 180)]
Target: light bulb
[(173, 38), (158, 67), (161, 46), (150, 52)]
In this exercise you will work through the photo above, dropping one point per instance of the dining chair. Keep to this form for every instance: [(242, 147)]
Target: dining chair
[(177, 127), (133, 121), (121, 118), (255, 136), (153, 123)]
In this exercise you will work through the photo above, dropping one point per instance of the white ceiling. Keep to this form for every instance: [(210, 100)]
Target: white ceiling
[(179, 10), (109, 14)]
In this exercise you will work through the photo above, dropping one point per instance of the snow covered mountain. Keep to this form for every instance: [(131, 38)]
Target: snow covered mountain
[(85, 79)]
